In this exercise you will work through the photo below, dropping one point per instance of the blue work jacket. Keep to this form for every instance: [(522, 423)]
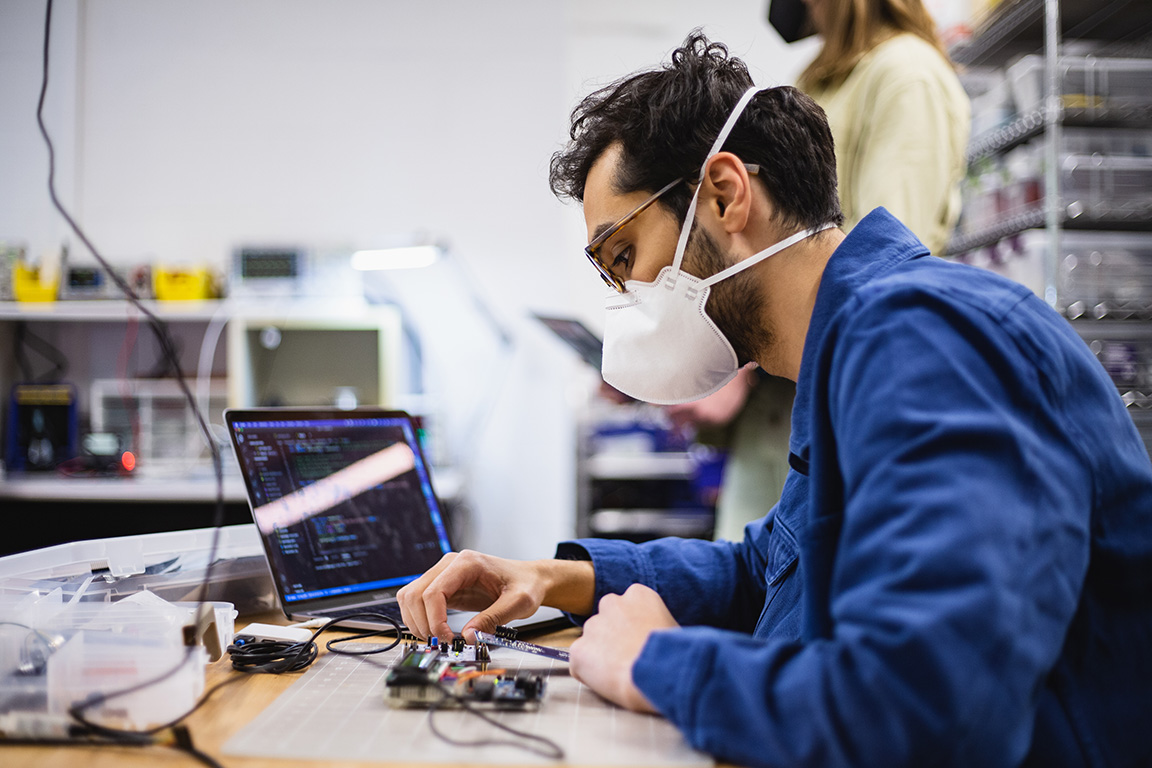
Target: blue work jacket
[(959, 569)]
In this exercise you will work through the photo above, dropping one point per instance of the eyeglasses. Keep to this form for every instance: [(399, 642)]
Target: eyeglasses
[(592, 249)]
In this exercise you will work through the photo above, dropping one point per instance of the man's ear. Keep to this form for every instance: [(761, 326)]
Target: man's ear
[(727, 191)]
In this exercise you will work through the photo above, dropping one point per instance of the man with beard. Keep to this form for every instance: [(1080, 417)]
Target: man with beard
[(959, 570)]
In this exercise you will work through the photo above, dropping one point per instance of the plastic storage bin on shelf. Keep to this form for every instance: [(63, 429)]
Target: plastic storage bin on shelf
[(1087, 82), (1107, 177), (1129, 142), (1107, 187), (30, 284), (1105, 274), (1127, 357), (1100, 275)]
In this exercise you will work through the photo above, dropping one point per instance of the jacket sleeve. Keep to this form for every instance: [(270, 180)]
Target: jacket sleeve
[(702, 582), (958, 561)]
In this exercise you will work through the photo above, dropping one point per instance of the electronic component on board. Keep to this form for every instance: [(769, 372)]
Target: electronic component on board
[(505, 633), (558, 654), (431, 675)]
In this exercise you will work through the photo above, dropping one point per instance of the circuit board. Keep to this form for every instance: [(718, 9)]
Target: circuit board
[(439, 675)]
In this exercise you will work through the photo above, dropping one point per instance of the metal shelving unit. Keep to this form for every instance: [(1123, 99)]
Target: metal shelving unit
[(1085, 228), (174, 492), (637, 494)]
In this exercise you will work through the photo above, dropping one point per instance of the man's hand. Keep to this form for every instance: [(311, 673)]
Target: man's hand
[(603, 656), (500, 589)]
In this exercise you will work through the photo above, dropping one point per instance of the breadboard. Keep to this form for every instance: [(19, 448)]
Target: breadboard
[(336, 711)]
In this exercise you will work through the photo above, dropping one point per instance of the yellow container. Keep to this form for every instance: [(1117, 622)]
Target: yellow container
[(26, 285), (194, 284)]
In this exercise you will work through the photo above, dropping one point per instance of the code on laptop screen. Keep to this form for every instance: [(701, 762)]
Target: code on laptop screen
[(345, 505)]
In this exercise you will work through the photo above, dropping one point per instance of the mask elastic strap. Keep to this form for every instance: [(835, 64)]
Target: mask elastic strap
[(762, 255), (686, 229)]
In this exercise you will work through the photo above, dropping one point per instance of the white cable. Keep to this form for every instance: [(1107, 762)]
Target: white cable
[(207, 355)]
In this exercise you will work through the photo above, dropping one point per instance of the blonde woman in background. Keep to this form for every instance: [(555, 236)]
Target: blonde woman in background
[(900, 121), (899, 116)]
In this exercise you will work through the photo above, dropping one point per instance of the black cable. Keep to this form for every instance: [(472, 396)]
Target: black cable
[(275, 657), (272, 656), (77, 712), (168, 347), (21, 354), (184, 743), (164, 365), (159, 327), (550, 749), (26, 340), (170, 352), (97, 741)]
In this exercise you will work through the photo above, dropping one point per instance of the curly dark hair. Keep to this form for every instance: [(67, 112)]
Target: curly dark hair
[(666, 120)]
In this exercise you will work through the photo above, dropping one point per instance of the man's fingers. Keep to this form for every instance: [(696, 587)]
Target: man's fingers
[(436, 611), (506, 608), (441, 588), (413, 611)]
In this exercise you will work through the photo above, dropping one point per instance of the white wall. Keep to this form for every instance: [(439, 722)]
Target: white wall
[(185, 128)]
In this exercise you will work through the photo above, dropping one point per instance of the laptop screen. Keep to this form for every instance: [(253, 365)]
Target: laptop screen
[(344, 503)]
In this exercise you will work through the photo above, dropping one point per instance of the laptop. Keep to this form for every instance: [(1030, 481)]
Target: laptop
[(576, 335), (346, 511)]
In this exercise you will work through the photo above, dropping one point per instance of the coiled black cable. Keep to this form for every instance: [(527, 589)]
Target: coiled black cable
[(275, 656)]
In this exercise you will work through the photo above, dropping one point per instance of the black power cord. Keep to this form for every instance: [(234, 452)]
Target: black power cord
[(170, 353)]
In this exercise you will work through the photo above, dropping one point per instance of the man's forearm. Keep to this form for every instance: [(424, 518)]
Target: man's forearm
[(570, 585)]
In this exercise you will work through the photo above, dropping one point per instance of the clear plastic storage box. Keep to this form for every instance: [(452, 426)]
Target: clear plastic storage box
[(1086, 82), (84, 620), (171, 565), (1125, 351), (1099, 275), (1129, 142), (55, 653), (1107, 187), (1105, 274)]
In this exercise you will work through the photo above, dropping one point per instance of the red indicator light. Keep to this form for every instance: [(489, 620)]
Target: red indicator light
[(128, 460)]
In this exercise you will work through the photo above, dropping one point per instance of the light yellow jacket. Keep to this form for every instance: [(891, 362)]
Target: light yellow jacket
[(900, 122)]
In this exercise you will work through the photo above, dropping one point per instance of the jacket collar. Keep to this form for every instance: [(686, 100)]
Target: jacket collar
[(874, 247)]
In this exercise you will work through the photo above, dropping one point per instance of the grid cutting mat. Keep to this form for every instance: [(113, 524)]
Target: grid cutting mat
[(336, 711)]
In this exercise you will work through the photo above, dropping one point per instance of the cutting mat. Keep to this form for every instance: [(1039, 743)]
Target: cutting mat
[(336, 711)]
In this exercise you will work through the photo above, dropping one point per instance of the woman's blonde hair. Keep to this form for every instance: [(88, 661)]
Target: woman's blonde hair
[(855, 27)]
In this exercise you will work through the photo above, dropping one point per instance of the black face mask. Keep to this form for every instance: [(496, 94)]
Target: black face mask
[(790, 19)]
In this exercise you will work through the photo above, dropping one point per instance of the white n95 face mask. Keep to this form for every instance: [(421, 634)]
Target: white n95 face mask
[(660, 346)]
